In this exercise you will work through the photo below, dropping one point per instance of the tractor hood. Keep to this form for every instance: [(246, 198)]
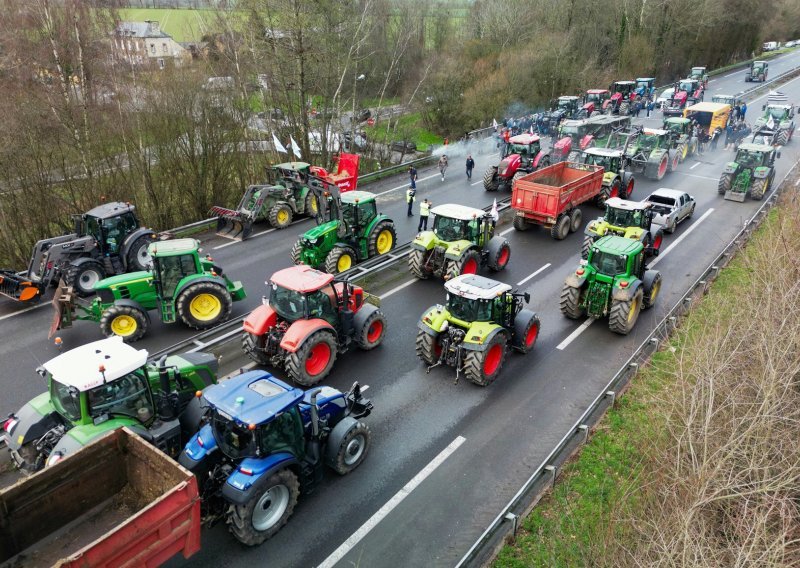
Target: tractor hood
[(509, 166), (321, 230), (129, 278), (563, 146)]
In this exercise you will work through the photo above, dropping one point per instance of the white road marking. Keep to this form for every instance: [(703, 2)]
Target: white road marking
[(476, 183), (574, 335), (25, 310), (506, 231), (398, 498), (679, 239), (397, 288), (545, 267), (797, 183), (696, 176), (695, 165), (405, 186)]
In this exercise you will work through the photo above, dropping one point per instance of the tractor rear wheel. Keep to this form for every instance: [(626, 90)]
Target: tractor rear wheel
[(783, 137), (652, 286), (586, 247), (315, 358), (268, 509), (204, 305), (339, 260), (674, 160), (428, 347), (624, 313), (353, 449), (520, 224), (127, 322), (518, 175), (469, 263), (758, 189), (251, 346), (683, 151), (570, 302), (297, 250), (382, 239), (416, 264), (575, 220), (490, 182), (499, 253), (483, 367), (82, 277), (138, 258), (560, 229), (372, 331), (280, 216), (311, 205), (725, 182), (605, 193)]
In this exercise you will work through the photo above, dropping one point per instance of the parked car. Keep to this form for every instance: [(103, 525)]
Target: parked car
[(404, 146), (664, 97), (670, 207)]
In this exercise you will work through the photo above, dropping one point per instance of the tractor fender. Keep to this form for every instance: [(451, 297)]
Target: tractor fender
[(482, 329), (575, 281), (596, 228), (260, 320), (240, 486), (457, 249), (31, 425), (425, 240), (586, 141), (378, 218), (336, 437), (436, 316), (761, 172), (128, 303), (624, 294), (509, 166), (521, 323), (627, 177), (300, 330), (563, 146), (194, 452), (290, 203), (539, 157), (730, 168), (130, 239), (363, 313), (213, 279), (84, 260)]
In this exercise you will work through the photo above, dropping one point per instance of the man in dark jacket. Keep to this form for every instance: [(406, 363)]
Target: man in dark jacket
[(470, 166)]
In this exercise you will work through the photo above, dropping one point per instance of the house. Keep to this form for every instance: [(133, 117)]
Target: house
[(145, 44)]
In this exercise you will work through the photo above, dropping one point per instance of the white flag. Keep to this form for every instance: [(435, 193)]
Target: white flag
[(495, 215), (494, 123), (770, 123), (531, 129), (295, 148), (277, 143)]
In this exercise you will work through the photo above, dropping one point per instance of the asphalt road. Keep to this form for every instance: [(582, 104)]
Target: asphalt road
[(445, 458)]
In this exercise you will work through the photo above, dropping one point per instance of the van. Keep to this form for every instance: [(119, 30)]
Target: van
[(770, 46), (712, 117)]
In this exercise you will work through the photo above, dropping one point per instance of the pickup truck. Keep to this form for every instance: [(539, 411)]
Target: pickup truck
[(117, 501), (550, 197), (670, 207)]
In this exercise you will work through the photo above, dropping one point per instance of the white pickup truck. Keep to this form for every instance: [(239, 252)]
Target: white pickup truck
[(670, 207)]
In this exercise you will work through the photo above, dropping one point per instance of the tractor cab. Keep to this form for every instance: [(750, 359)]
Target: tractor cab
[(758, 71), (174, 261), (649, 139), (596, 100), (645, 86), (751, 156), (609, 159), (777, 112), (623, 88), (623, 213), (692, 87), (289, 173), (475, 298), (676, 126), (454, 222), (700, 74), (730, 100), (568, 105), (109, 224), (526, 146), (358, 211)]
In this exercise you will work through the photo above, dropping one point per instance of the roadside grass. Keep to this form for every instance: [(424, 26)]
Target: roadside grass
[(597, 514), (407, 127)]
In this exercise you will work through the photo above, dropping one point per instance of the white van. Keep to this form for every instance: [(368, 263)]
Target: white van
[(770, 45)]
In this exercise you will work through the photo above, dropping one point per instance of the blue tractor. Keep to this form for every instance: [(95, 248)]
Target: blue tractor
[(264, 442)]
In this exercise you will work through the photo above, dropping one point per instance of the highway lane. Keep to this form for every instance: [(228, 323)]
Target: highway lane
[(506, 428)]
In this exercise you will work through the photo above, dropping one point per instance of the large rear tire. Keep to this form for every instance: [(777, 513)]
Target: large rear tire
[(280, 216), (469, 263), (127, 322), (490, 181), (138, 257), (428, 347), (624, 313), (372, 331), (204, 305), (251, 346), (586, 247), (339, 260), (382, 239), (82, 277), (267, 510), (483, 367), (783, 137), (416, 264), (570, 302), (314, 360)]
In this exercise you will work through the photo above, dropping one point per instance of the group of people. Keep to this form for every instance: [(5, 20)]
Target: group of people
[(425, 206)]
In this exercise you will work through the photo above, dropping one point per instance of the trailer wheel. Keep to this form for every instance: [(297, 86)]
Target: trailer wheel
[(416, 264), (520, 224), (280, 216), (353, 449), (575, 220), (82, 277), (138, 256), (428, 347), (204, 305), (372, 331), (560, 230), (127, 322), (250, 345), (483, 367), (267, 511), (314, 360)]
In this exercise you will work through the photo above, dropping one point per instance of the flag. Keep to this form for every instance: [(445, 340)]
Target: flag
[(494, 123), (495, 215), (531, 128), (777, 97), (277, 143), (295, 148), (770, 123)]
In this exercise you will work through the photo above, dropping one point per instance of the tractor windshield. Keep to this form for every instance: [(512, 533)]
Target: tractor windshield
[(608, 263), (624, 88), (449, 229), (623, 217), (469, 310), (129, 395), (521, 149), (573, 130), (687, 86), (595, 97), (66, 400), (776, 112), (746, 159), (290, 304), (236, 441), (597, 160), (566, 105)]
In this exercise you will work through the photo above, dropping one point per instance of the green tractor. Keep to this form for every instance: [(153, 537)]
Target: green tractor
[(290, 191), (752, 171), (482, 320), (776, 125), (102, 386), (629, 219), (614, 281), (650, 153), (680, 140), (350, 230), (461, 242), (618, 180), (181, 285)]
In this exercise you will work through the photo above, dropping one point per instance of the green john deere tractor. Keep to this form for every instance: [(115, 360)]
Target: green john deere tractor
[(629, 219), (102, 386), (350, 230), (613, 282), (679, 139), (618, 180), (752, 171), (461, 242), (482, 320), (181, 285), (650, 153)]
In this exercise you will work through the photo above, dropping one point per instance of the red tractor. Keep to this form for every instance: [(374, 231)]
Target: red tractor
[(308, 320), (596, 100), (623, 93), (522, 154)]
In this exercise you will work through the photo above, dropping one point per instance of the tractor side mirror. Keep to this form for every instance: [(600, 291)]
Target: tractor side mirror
[(778, 154), (527, 297), (763, 107)]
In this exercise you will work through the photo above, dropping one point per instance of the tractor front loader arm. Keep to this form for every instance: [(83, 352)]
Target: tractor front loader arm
[(66, 309)]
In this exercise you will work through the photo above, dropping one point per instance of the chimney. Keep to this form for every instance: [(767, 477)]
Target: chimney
[(153, 27)]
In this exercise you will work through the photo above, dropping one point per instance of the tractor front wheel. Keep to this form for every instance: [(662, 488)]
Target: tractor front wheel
[(82, 277), (586, 247), (527, 331), (483, 367), (490, 181), (353, 449), (127, 322), (570, 302), (499, 253), (339, 260), (652, 286), (758, 189), (428, 347), (469, 263), (624, 313), (267, 511), (518, 175), (382, 239), (280, 216), (372, 331), (314, 360), (204, 305), (416, 264), (296, 252), (311, 205), (250, 345), (725, 182), (138, 255)]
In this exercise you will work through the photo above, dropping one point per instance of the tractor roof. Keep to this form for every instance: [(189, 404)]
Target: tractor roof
[(455, 211), (699, 67), (255, 397), (708, 107), (524, 139), (293, 166), (353, 196), (606, 152), (173, 247), (301, 278), (645, 79), (677, 120), (597, 91), (575, 122), (606, 119), (667, 192), (568, 98), (753, 147), (624, 82), (474, 287), (618, 245), (760, 62), (80, 367), (626, 205), (654, 131), (113, 209)]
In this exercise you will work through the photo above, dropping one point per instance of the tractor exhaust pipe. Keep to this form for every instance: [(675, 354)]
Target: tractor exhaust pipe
[(312, 446)]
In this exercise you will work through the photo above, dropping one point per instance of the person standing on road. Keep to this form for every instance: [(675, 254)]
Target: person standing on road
[(743, 111), (424, 212), (470, 166), (410, 195), (443, 165), (412, 174)]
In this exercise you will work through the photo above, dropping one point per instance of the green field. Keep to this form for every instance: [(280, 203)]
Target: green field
[(182, 25)]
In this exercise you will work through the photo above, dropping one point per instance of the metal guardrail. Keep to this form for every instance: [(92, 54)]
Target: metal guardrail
[(545, 474)]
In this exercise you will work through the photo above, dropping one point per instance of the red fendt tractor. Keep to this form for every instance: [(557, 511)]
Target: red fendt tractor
[(308, 320), (522, 155)]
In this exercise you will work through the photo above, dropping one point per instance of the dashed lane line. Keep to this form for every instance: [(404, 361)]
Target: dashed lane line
[(542, 269)]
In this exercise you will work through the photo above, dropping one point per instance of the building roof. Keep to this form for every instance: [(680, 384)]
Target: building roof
[(140, 29), (301, 278), (173, 247), (255, 397), (475, 287), (455, 211), (80, 367)]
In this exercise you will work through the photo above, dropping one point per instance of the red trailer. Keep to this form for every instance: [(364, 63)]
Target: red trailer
[(117, 502), (551, 196)]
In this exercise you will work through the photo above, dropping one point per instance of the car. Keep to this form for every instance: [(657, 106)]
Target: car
[(790, 44), (664, 97), (670, 207), (404, 146)]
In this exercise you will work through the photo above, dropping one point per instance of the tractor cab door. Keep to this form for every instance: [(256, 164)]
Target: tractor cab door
[(115, 230), (367, 211), (170, 271), (324, 304), (283, 434)]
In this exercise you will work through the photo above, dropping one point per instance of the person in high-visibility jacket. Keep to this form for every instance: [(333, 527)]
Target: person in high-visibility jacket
[(424, 212), (410, 193)]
